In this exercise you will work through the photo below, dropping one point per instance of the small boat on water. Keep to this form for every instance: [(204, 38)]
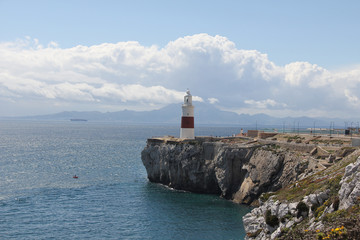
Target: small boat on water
[(75, 176)]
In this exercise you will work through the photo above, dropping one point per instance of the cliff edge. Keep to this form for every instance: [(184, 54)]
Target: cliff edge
[(303, 188), (238, 170)]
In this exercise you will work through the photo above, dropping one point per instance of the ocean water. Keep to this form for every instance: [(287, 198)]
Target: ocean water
[(111, 198)]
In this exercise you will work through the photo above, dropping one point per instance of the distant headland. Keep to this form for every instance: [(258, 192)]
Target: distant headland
[(78, 120)]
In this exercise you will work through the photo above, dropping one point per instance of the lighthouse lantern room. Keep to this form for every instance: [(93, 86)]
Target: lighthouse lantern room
[(187, 118)]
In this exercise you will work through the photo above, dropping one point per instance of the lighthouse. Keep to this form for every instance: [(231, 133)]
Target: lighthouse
[(187, 118)]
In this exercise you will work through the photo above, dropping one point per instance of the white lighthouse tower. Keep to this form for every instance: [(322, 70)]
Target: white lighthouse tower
[(187, 118)]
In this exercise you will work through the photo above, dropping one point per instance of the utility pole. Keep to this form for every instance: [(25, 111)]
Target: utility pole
[(298, 128), (283, 127), (294, 127), (330, 128)]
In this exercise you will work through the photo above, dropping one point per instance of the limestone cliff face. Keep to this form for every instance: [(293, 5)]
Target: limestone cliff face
[(237, 172)]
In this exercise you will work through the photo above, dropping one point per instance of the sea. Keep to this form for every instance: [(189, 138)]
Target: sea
[(112, 197)]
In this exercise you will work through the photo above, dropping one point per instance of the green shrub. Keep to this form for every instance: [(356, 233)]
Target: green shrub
[(271, 220), (335, 184), (302, 208), (335, 215), (265, 196), (320, 210), (336, 203)]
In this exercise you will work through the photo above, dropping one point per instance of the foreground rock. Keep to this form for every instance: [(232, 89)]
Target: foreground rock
[(322, 215), (239, 172), (273, 218), (349, 193)]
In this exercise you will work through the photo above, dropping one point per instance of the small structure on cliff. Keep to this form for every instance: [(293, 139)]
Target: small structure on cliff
[(187, 118)]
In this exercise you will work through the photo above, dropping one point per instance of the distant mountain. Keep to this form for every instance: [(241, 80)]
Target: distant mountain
[(204, 114)]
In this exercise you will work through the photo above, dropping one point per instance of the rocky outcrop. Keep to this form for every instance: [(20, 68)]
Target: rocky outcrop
[(235, 171), (314, 208), (258, 225), (349, 193)]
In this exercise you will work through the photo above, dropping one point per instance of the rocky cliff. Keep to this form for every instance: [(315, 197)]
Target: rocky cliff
[(325, 205), (239, 171), (302, 191)]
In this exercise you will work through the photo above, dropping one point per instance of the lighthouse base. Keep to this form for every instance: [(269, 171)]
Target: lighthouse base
[(187, 133)]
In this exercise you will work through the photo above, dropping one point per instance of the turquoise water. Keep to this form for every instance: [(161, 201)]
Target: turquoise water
[(111, 199)]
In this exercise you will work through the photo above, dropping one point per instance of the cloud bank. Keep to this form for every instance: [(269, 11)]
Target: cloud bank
[(126, 75)]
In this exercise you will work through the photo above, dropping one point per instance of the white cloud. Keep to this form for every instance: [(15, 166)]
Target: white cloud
[(268, 103), (129, 75), (352, 98), (303, 72), (213, 100)]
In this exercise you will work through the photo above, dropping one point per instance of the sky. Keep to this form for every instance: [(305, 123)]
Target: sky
[(281, 58)]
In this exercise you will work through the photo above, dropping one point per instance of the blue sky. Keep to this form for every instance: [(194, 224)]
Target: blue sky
[(321, 32), (281, 56)]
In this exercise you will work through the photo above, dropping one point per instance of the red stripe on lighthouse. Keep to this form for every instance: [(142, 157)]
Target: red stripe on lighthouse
[(187, 122)]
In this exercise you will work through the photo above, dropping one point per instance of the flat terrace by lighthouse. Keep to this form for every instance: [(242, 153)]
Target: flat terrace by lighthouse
[(202, 139)]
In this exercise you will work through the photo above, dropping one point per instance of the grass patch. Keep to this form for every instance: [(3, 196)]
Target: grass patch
[(320, 210), (330, 141), (272, 148), (294, 137), (265, 196), (340, 214), (326, 179)]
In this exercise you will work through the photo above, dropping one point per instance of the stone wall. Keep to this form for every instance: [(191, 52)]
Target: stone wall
[(253, 133), (264, 135), (300, 147)]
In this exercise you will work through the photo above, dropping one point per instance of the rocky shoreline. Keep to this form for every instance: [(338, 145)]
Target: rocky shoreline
[(248, 172)]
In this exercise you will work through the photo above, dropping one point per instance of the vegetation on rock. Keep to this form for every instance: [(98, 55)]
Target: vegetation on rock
[(337, 224), (302, 209), (271, 220)]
